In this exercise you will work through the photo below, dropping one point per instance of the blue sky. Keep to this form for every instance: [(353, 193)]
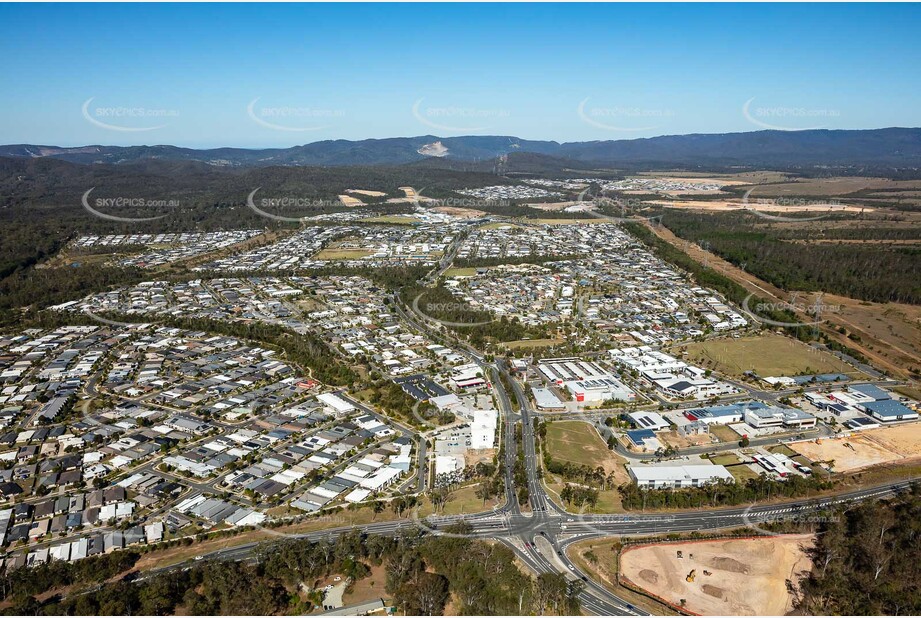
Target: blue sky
[(208, 75)]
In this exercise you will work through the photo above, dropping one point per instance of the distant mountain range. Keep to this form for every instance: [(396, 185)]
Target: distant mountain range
[(893, 147)]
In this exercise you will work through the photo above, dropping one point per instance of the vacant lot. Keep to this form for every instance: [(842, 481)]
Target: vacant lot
[(738, 204), (578, 442), (867, 448), (766, 355), (351, 202), (673, 438), (747, 576)]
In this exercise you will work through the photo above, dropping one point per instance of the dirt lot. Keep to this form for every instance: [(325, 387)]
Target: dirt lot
[(725, 205), (673, 438), (748, 575), (463, 213), (867, 448), (366, 192), (351, 202)]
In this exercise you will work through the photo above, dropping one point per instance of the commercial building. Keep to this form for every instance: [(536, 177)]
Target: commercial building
[(336, 403), (888, 411), (677, 477), (544, 399), (775, 416), (599, 389), (649, 420)]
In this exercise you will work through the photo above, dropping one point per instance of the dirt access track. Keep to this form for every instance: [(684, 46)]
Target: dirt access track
[(747, 576)]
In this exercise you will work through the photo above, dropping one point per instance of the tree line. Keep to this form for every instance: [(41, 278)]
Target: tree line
[(423, 573)]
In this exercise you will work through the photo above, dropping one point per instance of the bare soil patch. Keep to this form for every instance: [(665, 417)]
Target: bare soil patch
[(746, 576), (901, 443)]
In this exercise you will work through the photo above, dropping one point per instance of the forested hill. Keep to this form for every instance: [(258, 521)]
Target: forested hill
[(894, 147)]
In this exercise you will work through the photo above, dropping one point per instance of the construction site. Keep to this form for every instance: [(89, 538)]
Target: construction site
[(744, 577), (872, 447)]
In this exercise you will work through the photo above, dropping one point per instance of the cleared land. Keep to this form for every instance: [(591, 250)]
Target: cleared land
[(463, 213), (673, 438), (568, 221), (766, 355), (366, 192), (598, 558), (351, 202), (723, 205), (748, 575), (578, 442), (901, 444)]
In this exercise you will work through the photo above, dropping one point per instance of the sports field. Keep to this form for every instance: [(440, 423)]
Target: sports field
[(740, 577), (766, 355)]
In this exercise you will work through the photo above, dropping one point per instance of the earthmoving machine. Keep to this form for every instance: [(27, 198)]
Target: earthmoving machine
[(691, 575)]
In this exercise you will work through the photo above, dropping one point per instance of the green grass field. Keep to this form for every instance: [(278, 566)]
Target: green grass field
[(342, 254), (766, 355), (726, 459), (456, 271), (577, 442), (724, 433), (742, 473)]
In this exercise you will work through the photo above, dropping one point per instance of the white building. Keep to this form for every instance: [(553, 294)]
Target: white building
[(649, 420), (335, 403), (546, 400), (483, 428), (598, 389), (677, 477)]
